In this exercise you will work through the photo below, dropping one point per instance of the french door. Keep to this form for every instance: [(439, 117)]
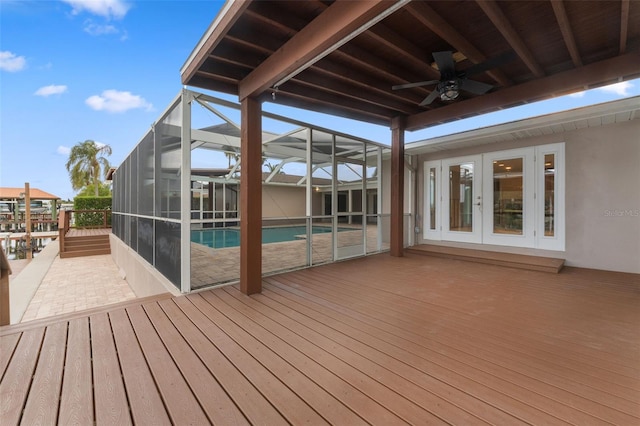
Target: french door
[(491, 198), (462, 199)]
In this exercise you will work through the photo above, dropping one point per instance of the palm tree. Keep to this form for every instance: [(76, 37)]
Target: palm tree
[(85, 164)]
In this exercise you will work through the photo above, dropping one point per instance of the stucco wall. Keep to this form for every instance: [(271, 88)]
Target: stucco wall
[(602, 195), (288, 201)]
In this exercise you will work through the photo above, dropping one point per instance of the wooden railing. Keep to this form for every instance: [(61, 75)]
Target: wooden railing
[(5, 305), (67, 217), (64, 219)]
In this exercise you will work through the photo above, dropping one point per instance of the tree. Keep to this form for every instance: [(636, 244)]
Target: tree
[(87, 163), (271, 167), (104, 190)]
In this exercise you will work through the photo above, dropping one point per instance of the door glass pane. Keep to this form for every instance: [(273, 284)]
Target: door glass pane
[(508, 196), (432, 198), (461, 197), (549, 194)]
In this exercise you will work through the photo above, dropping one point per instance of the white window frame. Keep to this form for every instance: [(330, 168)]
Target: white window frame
[(534, 202)]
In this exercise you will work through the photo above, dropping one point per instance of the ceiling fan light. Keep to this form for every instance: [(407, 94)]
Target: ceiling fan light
[(449, 90)]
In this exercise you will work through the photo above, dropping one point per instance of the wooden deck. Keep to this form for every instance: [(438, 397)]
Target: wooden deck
[(378, 340), (511, 260)]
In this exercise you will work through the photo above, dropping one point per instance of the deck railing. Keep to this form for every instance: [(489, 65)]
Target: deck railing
[(81, 219), (5, 270)]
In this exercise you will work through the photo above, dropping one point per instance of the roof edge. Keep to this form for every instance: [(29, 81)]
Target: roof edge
[(545, 120), (227, 16)]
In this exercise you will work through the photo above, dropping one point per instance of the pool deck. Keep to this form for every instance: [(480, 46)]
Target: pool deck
[(214, 266)]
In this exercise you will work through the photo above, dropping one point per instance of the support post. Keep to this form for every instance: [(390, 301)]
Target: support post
[(397, 186), (27, 219), (5, 305), (251, 197)]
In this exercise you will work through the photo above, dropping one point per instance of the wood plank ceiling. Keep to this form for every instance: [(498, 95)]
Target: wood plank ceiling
[(554, 47)]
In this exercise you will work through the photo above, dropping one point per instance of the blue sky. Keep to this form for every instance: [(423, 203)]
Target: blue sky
[(73, 70)]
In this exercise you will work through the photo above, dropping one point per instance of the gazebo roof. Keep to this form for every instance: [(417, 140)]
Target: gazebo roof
[(343, 57), (35, 193)]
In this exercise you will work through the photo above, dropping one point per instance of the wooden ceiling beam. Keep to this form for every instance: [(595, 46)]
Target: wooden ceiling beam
[(338, 24), (312, 79), (328, 106), (627, 65), (502, 24), (332, 69), (624, 25), (428, 17), (228, 16), (567, 33), (408, 51)]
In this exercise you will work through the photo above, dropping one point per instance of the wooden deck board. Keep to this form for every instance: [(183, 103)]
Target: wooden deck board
[(7, 346), (215, 402), (325, 387), (492, 374), (16, 382), (145, 401), (76, 400), (182, 406), (424, 373), (289, 404), (42, 401), (265, 348), (349, 364), (249, 400), (378, 340), (110, 398)]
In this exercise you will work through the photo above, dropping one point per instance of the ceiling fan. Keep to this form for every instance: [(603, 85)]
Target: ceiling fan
[(452, 81)]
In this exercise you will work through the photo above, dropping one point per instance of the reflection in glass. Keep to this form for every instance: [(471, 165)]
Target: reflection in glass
[(549, 194), (508, 196), (461, 197)]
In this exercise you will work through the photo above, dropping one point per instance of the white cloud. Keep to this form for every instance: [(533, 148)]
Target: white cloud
[(63, 150), (620, 89), (577, 95), (52, 89), (94, 29), (109, 9), (117, 101), (9, 61)]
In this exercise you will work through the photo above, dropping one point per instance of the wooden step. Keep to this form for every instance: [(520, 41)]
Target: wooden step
[(90, 245), (95, 252), (85, 246), (519, 261), (89, 239)]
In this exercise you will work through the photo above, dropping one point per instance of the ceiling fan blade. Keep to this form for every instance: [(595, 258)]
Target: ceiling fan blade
[(432, 96), (475, 87), (489, 64), (417, 84), (445, 63)]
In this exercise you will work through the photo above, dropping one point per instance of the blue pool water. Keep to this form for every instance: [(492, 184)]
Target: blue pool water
[(230, 237)]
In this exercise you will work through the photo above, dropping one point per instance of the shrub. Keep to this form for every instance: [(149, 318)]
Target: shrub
[(86, 220)]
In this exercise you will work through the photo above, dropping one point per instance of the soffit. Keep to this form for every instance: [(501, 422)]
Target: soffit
[(558, 47)]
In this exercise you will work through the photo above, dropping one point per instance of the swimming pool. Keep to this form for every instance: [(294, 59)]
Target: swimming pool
[(230, 237)]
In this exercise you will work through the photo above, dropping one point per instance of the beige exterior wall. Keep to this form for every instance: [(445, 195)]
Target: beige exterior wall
[(288, 201), (602, 195), (143, 278)]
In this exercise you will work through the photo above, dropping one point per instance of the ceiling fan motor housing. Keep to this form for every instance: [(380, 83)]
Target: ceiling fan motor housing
[(449, 89)]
